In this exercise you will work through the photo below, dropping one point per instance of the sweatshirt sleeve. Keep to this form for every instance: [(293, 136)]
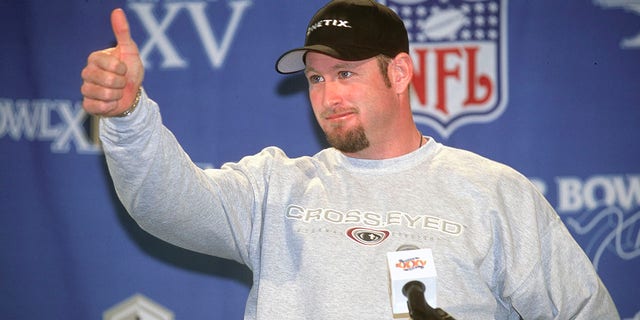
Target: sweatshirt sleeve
[(168, 195), (560, 282)]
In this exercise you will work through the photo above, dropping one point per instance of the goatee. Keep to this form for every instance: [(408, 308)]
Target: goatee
[(350, 141)]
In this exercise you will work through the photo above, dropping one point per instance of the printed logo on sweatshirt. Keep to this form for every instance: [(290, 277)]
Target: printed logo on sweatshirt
[(370, 219), (367, 236)]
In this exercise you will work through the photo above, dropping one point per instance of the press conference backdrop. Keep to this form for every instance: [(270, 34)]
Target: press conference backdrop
[(551, 88)]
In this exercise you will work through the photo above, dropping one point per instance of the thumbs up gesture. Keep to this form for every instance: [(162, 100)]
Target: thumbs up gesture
[(113, 76)]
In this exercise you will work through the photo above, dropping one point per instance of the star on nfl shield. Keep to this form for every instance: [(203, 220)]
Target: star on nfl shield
[(460, 55)]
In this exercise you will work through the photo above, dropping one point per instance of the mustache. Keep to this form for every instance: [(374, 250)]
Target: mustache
[(332, 112)]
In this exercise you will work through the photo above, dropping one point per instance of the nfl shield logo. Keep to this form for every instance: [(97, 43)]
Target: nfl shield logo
[(459, 50)]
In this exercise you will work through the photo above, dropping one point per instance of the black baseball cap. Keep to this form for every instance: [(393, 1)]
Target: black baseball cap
[(349, 30)]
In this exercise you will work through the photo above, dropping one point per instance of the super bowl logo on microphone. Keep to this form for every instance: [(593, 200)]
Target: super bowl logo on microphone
[(459, 51), (411, 263)]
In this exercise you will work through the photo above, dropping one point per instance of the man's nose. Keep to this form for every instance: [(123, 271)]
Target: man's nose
[(332, 94)]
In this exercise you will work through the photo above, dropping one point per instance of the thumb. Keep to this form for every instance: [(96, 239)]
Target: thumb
[(126, 51), (120, 27)]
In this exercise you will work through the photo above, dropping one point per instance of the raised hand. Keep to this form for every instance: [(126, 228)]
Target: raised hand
[(113, 76)]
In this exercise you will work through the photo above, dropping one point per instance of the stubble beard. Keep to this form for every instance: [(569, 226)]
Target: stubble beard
[(349, 141)]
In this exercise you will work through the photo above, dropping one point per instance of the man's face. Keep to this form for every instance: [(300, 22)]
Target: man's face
[(350, 100)]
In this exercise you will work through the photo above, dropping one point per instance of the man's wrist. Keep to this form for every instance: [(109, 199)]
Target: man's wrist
[(133, 106)]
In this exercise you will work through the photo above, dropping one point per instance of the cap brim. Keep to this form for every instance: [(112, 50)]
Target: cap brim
[(293, 60)]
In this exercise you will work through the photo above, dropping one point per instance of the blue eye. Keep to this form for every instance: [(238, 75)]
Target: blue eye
[(345, 74), (315, 78)]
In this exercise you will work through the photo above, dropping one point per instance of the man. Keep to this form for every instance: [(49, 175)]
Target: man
[(315, 230)]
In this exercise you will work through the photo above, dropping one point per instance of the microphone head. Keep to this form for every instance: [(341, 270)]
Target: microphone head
[(412, 285)]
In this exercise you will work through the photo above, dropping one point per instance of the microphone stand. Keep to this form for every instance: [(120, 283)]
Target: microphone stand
[(419, 309)]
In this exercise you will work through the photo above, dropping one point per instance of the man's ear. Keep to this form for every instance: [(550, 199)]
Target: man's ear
[(401, 72)]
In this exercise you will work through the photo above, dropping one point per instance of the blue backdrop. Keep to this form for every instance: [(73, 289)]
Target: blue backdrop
[(548, 87)]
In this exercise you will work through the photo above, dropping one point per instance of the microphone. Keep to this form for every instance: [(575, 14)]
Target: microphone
[(413, 276), (419, 309), (411, 264)]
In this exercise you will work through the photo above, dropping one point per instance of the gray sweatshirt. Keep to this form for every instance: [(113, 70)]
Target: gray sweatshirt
[(315, 230)]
